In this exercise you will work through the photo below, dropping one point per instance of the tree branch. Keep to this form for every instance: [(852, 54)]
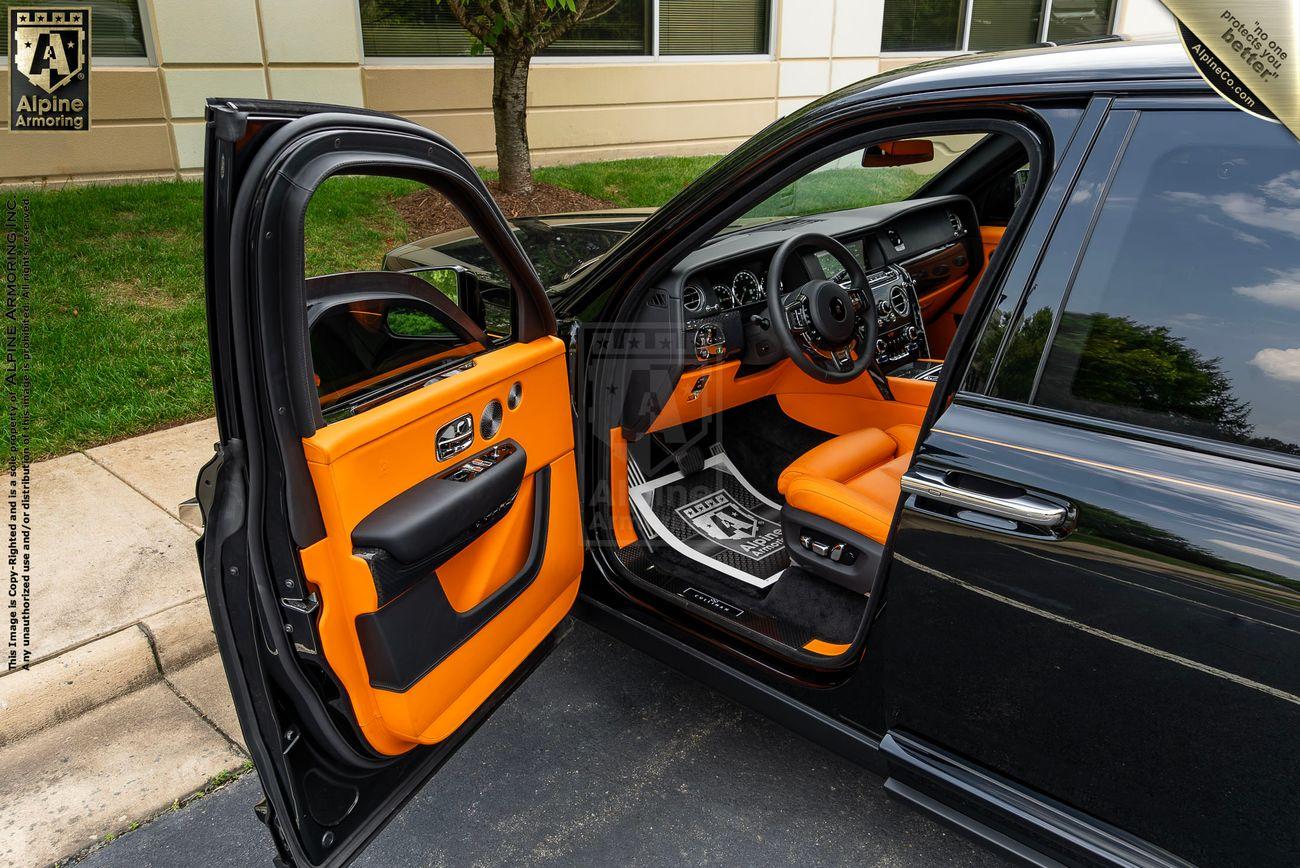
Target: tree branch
[(471, 23)]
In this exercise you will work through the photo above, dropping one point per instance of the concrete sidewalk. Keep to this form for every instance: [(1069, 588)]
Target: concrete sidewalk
[(125, 707)]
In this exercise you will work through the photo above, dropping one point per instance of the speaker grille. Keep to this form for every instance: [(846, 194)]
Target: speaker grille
[(490, 423), (516, 395)]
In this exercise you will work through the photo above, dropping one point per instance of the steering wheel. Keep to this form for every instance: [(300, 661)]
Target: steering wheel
[(825, 329)]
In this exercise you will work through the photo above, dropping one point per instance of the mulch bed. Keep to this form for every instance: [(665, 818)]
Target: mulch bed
[(429, 213)]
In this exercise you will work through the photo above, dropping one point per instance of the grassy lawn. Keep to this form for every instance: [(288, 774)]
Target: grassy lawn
[(118, 330)]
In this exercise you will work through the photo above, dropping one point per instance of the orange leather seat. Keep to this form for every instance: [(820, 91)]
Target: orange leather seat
[(853, 480)]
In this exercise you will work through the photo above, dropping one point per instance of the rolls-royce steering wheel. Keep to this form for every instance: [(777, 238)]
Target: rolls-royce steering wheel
[(828, 330)]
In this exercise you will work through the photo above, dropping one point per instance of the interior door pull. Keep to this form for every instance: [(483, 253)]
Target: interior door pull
[(934, 484)]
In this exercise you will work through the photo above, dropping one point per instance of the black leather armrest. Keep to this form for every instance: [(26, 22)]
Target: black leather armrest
[(434, 514)]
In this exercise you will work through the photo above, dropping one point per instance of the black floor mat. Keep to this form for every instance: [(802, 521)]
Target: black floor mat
[(712, 517), (761, 441), (757, 586), (793, 611)]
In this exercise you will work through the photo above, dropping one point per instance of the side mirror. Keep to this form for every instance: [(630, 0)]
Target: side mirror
[(409, 321), (902, 152)]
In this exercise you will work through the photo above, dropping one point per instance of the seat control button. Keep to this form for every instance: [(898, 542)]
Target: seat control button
[(837, 552), (820, 548), (806, 541)]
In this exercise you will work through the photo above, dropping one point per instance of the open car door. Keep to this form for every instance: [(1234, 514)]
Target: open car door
[(392, 532)]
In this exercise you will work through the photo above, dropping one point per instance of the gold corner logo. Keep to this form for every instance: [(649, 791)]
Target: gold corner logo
[(49, 85)]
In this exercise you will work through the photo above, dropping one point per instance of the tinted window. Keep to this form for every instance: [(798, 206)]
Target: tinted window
[(374, 333), (1184, 314)]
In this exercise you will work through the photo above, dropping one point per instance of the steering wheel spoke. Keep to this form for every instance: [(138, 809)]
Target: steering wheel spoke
[(797, 313)]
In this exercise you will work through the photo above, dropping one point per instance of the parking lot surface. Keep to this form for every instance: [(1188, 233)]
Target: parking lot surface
[(604, 756)]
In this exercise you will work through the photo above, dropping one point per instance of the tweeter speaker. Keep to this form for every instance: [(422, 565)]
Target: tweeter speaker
[(516, 395), (490, 422)]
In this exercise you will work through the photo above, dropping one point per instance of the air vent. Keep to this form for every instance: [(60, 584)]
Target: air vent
[(898, 301), (693, 299), (955, 222), (658, 298)]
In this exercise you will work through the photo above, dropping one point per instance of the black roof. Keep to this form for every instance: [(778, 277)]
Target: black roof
[(1136, 63)]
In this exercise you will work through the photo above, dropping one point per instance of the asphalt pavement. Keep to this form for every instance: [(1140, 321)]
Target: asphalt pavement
[(604, 756)]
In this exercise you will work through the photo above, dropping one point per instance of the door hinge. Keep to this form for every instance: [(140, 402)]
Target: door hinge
[(266, 815), (196, 509)]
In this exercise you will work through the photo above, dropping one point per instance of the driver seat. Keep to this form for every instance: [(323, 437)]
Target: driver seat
[(852, 480)]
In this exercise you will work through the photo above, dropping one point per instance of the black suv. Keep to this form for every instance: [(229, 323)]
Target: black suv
[(952, 420)]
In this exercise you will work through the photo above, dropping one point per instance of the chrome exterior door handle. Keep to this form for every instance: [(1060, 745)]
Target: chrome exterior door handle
[(931, 483)]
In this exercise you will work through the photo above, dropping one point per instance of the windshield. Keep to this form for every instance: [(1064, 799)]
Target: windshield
[(845, 183)]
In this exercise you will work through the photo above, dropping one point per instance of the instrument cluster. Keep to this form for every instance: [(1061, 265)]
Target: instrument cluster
[(706, 294)]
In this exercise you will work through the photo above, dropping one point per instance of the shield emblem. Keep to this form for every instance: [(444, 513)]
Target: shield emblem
[(50, 46)]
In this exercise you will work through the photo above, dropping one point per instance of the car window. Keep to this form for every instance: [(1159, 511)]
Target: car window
[(845, 183), (1184, 312), (373, 330)]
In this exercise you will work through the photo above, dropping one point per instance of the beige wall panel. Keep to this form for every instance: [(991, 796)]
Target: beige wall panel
[(566, 156), (620, 84), (104, 149), (311, 31), (888, 64), (625, 125), (1143, 18), (189, 143), (121, 94), (786, 106), (857, 27), (124, 93), (805, 77), (805, 28), (341, 85), (846, 72), (188, 89), (470, 132), (190, 31), (427, 88)]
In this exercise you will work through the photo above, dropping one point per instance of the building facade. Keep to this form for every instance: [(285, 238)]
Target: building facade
[(654, 77)]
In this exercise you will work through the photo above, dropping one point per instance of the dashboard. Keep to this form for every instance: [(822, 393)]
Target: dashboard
[(908, 249)]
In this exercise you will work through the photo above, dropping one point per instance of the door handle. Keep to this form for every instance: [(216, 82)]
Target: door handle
[(454, 437), (934, 484)]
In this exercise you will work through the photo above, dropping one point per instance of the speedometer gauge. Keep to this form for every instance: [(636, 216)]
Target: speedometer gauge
[(748, 287)]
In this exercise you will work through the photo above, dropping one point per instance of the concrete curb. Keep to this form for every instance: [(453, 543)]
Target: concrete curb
[(82, 679)]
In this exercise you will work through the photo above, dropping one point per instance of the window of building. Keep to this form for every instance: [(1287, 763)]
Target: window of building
[(913, 26), (116, 28), (1184, 313), (423, 28)]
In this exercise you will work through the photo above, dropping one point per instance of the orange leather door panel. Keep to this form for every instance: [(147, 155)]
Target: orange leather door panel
[(943, 328), (360, 463)]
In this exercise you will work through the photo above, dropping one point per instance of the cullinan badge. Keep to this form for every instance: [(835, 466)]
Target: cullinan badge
[(49, 85)]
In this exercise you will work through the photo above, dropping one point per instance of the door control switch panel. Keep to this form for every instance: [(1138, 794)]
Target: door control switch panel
[(482, 461)]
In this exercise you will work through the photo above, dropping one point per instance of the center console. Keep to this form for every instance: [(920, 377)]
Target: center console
[(900, 330)]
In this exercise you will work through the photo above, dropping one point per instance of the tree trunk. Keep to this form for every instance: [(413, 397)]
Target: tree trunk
[(510, 117)]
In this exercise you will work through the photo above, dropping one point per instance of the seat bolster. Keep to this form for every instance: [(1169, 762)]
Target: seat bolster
[(841, 504), (905, 436), (842, 457), (883, 484)]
